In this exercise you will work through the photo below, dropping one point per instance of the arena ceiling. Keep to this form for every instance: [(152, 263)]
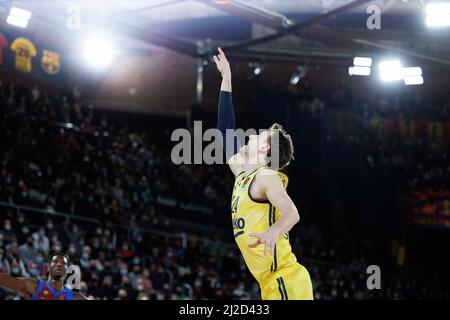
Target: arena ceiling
[(321, 32)]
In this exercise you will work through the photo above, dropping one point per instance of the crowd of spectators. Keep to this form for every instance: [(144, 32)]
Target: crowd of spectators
[(60, 155)]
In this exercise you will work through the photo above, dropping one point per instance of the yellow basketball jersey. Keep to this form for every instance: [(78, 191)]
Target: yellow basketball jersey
[(253, 216)]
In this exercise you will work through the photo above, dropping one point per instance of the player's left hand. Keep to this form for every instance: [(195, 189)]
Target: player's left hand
[(268, 238)]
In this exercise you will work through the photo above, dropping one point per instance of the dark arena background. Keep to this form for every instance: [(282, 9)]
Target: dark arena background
[(91, 91)]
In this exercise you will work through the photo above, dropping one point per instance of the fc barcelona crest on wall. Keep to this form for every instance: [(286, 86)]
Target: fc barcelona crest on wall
[(50, 62)]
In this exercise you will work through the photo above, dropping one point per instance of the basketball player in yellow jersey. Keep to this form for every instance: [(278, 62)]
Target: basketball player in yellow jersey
[(262, 211)]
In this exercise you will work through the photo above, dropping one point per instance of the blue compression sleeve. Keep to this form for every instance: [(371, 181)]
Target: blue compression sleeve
[(226, 120)]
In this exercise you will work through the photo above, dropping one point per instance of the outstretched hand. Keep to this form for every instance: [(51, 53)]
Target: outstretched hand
[(268, 238), (222, 64)]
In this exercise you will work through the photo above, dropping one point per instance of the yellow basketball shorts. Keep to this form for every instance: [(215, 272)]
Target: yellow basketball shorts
[(293, 283)]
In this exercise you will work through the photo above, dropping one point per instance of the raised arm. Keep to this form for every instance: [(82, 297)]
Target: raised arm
[(226, 118), (20, 285)]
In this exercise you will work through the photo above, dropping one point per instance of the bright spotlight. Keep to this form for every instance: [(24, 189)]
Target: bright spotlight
[(359, 71), (362, 62), (295, 79), (438, 14), (390, 70), (413, 80), (99, 52), (201, 68), (20, 13), (438, 21), (297, 76), (412, 71), (437, 8), (18, 17), (257, 68)]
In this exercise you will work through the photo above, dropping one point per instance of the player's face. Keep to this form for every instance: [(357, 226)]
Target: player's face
[(58, 267), (257, 144)]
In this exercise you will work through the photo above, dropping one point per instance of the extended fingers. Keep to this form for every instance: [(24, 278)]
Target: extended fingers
[(222, 54)]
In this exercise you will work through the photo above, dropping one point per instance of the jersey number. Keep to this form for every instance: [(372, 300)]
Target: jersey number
[(234, 205)]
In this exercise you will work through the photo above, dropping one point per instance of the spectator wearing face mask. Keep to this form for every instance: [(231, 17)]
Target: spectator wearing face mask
[(13, 246), (18, 269), (8, 232), (23, 230), (123, 270), (42, 242), (33, 269), (39, 260), (27, 251), (85, 257), (135, 276), (126, 285)]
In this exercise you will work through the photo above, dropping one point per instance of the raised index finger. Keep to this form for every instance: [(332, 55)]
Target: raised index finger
[(221, 52)]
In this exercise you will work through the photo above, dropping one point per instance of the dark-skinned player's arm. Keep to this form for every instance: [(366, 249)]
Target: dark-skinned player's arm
[(226, 118), (77, 296), (278, 197), (19, 285)]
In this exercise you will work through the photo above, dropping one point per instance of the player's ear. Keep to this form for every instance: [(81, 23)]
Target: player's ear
[(265, 147)]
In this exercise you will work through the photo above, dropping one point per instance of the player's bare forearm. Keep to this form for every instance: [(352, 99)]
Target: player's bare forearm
[(226, 82), (277, 196), (287, 220), (21, 285), (269, 238)]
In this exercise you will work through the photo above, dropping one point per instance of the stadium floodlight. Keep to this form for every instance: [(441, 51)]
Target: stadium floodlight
[(390, 70), (202, 67), (19, 17), (99, 52), (438, 14), (17, 22), (257, 68), (412, 71), (20, 13), (437, 8), (359, 71), (297, 75), (362, 62), (438, 21), (413, 80), (295, 79)]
